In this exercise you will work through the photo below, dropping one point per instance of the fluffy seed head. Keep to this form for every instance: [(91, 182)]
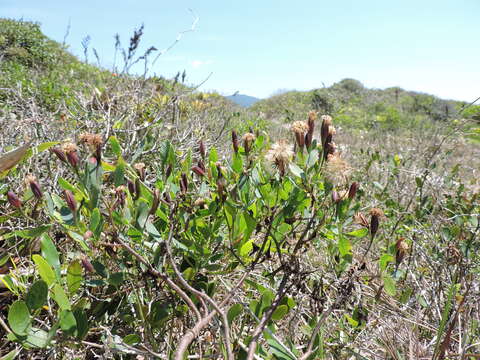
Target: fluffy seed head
[(280, 154), (337, 170)]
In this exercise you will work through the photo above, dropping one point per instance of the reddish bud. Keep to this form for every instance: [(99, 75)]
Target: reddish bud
[(353, 190), (155, 202), (131, 187), (73, 159), (201, 149), (235, 141), (32, 182), (70, 200), (183, 183), (87, 265), (198, 170), (168, 171), (335, 197), (59, 153), (14, 200)]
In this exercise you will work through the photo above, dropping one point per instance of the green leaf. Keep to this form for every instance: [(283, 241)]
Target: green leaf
[(116, 148), (37, 295), (312, 158), (280, 312), (389, 285), (344, 246), (359, 232), (119, 173), (351, 321), (66, 185), (36, 338), (74, 276), (44, 269), (82, 323), (50, 253), (96, 222), (61, 298), (296, 170), (11, 355), (246, 248), (132, 339), (279, 350), (237, 164), (19, 318), (233, 312), (67, 322), (385, 259)]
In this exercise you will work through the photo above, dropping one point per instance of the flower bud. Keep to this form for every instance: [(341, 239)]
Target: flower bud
[(87, 265), (235, 141), (375, 214), (88, 235), (59, 153), (168, 171), (198, 170), (155, 201), (335, 197), (326, 123), (401, 248), (184, 183), (32, 182), (131, 187), (201, 149), (353, 190), (14, 200), (140, 167), (70, 200)]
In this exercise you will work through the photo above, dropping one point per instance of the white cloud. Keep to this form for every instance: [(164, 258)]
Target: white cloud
[(197, 63)]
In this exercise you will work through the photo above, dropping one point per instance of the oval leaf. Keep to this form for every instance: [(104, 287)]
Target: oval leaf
[(37, 295), (19, 318), (74, 276), (45, 271)]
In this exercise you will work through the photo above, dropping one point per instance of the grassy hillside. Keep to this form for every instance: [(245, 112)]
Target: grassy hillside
[(355, 106), (143, 219)]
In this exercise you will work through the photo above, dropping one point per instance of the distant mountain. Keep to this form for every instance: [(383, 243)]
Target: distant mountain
[(243, 100)]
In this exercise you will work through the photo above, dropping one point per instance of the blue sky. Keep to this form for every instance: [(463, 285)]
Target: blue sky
[(258, 47)]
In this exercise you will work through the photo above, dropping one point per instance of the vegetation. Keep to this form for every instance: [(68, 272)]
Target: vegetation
[(142, 219)]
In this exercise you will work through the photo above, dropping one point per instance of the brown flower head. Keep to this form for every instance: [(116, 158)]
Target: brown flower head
[(140, 167), (401, 248), (300, 128), (280, 154), (337, 170), (352, 191), (360, 219), (248, 139), (70, 150)]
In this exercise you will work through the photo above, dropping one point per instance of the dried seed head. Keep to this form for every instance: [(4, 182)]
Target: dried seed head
[(337, 170), (360, 219), (200, 202), (59, 153), (300, 127), (70, 200), (280, 154), (248, 139), (13, 199), (312, 116), (69, 147), (454, 256), (31, 181), (401, 248), (140, 168)]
